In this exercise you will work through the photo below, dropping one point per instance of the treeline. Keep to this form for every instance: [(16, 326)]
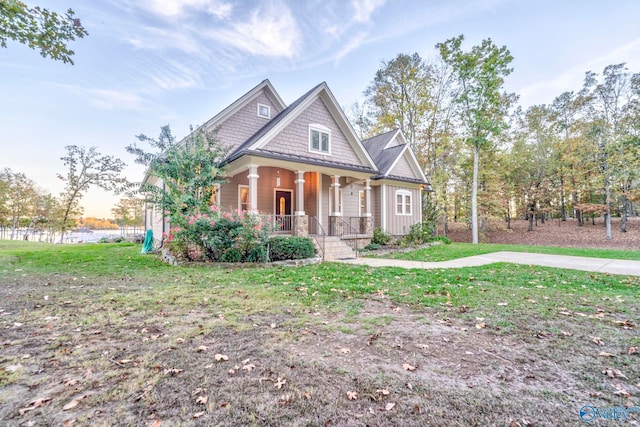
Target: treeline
[(577, 156), (27, 209)]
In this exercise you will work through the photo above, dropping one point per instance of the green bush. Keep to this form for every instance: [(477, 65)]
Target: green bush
[(290, 247), (443, 239), (418, 234), (380, 237), (231, 255), (372, 247)]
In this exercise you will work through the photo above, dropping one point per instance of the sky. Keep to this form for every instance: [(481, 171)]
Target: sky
[(150, 63)]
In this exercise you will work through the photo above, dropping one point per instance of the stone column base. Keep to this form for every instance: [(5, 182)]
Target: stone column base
[(301, 225)]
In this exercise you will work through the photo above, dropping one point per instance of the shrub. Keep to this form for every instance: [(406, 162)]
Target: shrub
[(443, 239), (290, 247), (418, 234), (230, 237), (372, 247), (380, 237)]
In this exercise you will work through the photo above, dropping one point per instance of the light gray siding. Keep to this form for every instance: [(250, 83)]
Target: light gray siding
[(399, 224), (244, 123), (294, 138), (403, 169), (376, 202)]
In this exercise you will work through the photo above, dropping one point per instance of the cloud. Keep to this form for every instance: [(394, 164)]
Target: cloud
[(352, 44), (364, 8), (271, 30), (175, 76), (544, 91), (106, 99), (162, 38), (174, 8)]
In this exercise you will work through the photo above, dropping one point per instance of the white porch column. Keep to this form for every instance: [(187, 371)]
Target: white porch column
[(336, 196), (367, 197), (300, 194), (253, 187)]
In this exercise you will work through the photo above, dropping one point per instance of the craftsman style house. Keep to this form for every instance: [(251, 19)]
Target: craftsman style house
[(304, 167)]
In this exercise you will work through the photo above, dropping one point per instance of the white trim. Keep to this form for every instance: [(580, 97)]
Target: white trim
[(383, 208), (268, 114), (314, 127), (240, 187), (404, 194), (393, 138), (361, 196)]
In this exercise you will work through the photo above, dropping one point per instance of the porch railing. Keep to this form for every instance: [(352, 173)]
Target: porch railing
[(316, 230), (280, 224), (341, 227)]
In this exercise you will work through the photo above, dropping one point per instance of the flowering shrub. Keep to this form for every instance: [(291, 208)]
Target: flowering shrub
[(240, 236)]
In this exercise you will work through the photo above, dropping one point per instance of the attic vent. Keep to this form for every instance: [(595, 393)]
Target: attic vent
[(264, 111)]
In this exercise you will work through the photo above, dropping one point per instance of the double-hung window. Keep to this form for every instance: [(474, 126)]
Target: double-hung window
[(319, 139), (403, 202)]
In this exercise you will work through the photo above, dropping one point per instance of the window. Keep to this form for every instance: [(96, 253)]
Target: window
[(264, 111), (243, 198), (403, 202), (319, 139)]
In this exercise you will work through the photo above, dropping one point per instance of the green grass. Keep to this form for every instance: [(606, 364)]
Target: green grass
[(80, 310), (461, 250)]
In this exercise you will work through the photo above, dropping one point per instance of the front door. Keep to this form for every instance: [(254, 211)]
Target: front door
[(283, 210)]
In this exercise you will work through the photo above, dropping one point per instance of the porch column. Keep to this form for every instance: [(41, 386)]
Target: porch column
[(368, 223), (336, 196), (253, 188), (301, 227), (300, 194)]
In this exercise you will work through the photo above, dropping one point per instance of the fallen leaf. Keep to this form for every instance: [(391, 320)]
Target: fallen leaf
[(245, 361), (75, 402), (423, 346), (389, 406), (633, 350), (605, 354), (345, 350), (408, 367), (202, 348), (220, 357), (156, 423), (383, 391), (613, 373), (34, 404), (180, 340), (597, 341), (279, 383), (620, 391), (409, 386), (352, 395), (202, 400), (250, 367), (481, 325), (307, 395), (197, 415), (625, 324), (172, 371)]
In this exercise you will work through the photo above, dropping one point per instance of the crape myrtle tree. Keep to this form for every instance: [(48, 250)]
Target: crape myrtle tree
[(481, 103), (188, 171), (40, 29), (86, 168)]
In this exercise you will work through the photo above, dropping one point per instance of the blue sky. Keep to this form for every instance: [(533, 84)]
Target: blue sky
[(179, 62)]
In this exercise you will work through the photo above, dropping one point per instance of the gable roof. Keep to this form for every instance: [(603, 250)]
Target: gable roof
[(256, 143), (387, 149), (236, 105)]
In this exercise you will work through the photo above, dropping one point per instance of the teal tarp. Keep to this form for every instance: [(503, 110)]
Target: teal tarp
[(147, 246)]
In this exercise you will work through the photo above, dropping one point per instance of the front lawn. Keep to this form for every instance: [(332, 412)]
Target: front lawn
[(442, 252), (102, 335)]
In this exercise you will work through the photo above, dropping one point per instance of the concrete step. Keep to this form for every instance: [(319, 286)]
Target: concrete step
[(334, 248)]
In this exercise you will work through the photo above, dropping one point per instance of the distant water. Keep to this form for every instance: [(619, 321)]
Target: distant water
[(74, 236)]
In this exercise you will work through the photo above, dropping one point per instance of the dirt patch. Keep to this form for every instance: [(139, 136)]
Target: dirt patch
[(555, 233)]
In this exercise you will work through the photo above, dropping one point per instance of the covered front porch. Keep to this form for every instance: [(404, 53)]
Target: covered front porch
[(300, 199)]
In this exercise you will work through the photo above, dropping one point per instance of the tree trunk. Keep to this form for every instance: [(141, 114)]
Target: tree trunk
[(623, 221), (507, 218), (563, 211), (607, 214), (474, 196), (531, 215)]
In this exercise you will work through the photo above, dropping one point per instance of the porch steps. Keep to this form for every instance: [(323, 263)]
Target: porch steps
[(334, 248)]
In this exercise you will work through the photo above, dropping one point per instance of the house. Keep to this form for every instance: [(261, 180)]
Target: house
[(305, 168)]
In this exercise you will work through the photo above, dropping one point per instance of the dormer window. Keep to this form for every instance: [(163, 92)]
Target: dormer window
[(264, 111), (319, 139)]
